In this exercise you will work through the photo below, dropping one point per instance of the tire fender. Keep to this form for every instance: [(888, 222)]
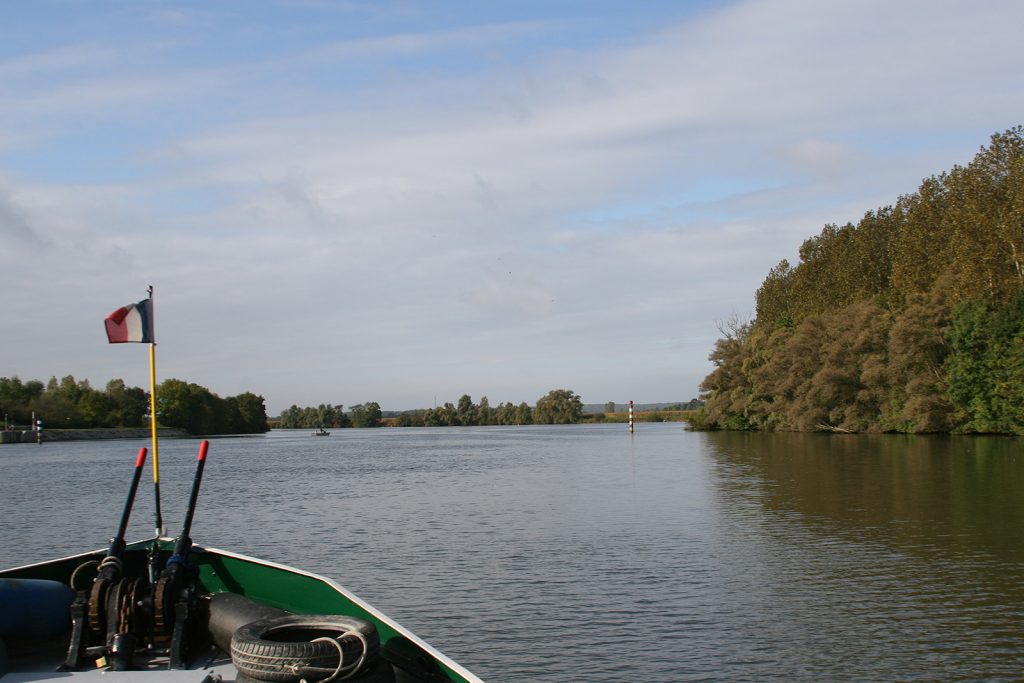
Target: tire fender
[(305, 647)]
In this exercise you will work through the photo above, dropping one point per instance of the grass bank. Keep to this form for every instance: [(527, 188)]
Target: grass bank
[(648, 416)]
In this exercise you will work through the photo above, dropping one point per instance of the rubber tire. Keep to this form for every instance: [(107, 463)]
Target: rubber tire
[(381, 672), (279, 649), (228, 612)]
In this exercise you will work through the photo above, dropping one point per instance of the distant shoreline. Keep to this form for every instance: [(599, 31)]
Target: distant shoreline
[(49, 435)]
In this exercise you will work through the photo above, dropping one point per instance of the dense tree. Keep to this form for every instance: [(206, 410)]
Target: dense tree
[(130, 404), (484, 412), (466, 412), (412, 418), (247, 413), (908, 321), (506, 414), (918, 400), (72, 404), (188, 406), (432, 418), (448, 415), (366, 415), (323, 415), (558, 406), (986, 366), (16, 397)]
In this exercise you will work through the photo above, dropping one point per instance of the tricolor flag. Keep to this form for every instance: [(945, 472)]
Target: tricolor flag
[(131, 323)]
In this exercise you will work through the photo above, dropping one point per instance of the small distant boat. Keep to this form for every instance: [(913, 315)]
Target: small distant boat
[(164, 609), (321, 432)]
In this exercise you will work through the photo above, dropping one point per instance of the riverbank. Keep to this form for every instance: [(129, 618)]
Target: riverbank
[(47, 435)]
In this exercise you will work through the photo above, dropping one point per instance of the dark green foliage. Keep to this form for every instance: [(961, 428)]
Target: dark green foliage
[(68, 404), (412, 418), (198, 411), (366, 415), (130, 404), (468, 413), (910, 321), (986, 366), (558, 406), (314, 418), (773, 298), (246, 414)]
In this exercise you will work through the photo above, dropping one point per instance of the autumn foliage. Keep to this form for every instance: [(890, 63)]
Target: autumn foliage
[(912, 320)]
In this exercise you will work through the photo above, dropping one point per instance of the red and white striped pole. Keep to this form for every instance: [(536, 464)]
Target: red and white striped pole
[(630, 417)]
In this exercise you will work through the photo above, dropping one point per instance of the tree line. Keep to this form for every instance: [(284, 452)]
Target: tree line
[(911, 321), (71, 404), (362, 415), (559, 406)]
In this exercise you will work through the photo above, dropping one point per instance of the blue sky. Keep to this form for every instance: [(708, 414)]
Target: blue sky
[(340, 202)]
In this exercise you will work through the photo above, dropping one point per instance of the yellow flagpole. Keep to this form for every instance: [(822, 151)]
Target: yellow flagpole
[(153, 431)]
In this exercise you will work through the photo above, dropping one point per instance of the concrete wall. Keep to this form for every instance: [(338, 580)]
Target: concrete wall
[(19, 436)]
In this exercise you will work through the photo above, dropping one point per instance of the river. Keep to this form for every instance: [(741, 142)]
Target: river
[(581, 553)]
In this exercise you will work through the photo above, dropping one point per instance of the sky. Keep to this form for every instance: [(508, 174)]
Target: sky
[(340, 201)]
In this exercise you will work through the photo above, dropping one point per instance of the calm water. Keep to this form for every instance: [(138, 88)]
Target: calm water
[(582, 554)]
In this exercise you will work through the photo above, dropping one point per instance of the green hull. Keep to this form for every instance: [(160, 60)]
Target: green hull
[(277, 586)]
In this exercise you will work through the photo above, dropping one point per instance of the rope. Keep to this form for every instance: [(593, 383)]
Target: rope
[(336, 642), (111, 560), (74, 574)]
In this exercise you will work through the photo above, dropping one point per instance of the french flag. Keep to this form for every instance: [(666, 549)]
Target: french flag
[(131, 323)]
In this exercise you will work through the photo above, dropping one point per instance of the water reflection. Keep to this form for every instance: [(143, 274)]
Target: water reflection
[(895, 557), (957, 494)]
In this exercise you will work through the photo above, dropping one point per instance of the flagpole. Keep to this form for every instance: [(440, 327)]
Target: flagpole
[(152, 426)]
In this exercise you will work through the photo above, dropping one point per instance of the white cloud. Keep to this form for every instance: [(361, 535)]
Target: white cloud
[(563, 207), (513, 297)]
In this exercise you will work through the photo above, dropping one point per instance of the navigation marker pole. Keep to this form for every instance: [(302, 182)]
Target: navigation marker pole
[(152, 423), (630, 417)]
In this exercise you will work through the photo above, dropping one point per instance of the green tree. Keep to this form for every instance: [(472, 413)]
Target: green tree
[(447, 415), (774, 297), (918, 399), (558, 406), (505, 414), (728, 389), (188, 406), (16, 397), (291, 418), (986, 366), (466, 411), (905, 321), (55, 410), (251, 413), (523, 414), (366, 415), (412, 418), (484, 412), (130, 404)]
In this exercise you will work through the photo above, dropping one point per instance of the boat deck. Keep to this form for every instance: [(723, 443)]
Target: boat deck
[(211, 666), (403, 657)]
